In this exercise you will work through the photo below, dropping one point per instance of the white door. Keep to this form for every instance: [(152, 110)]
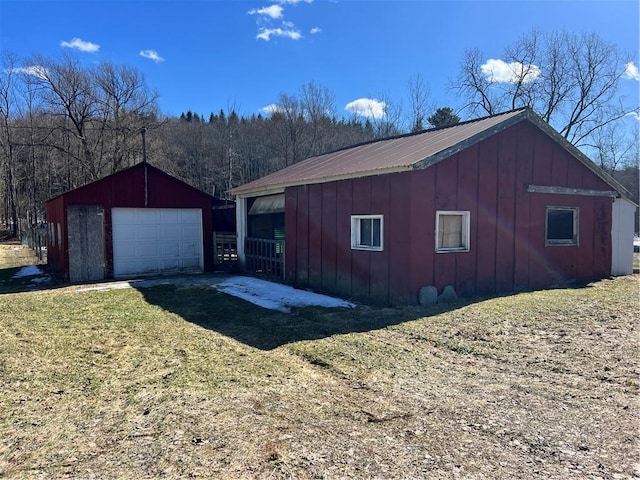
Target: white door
[(152, 241), (622, 227)]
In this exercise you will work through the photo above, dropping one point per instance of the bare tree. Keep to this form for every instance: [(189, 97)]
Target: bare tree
[(570, 80), (68, 92), (389, 123), (125, 105), (101, 107), (10, 207), (318, 107), (614, 149), (419, 102)]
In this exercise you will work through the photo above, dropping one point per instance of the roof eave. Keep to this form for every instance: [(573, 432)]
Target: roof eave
[(280, 188)]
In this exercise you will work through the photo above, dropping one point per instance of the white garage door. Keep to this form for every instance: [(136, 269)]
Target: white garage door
[(151, 241)]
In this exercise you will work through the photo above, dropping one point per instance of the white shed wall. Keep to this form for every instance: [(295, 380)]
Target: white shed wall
[(622, 237)]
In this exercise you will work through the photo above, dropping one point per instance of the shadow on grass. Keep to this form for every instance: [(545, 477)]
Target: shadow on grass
[(267, 329)]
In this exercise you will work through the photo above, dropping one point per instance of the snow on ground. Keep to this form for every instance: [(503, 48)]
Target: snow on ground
[(275, 296), (33, 271), (103, 287), (29, 271)]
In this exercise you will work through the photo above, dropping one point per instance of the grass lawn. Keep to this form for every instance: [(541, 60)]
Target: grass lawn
[(171, 382)]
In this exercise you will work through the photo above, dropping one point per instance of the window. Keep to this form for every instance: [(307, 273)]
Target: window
[(562, 226), (366, 232), (452, 231)]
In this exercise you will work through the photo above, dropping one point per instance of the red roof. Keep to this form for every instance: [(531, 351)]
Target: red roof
[(396, 154)]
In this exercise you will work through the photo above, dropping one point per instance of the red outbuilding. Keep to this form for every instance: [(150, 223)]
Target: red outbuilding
[(495, 205), (139, 221)]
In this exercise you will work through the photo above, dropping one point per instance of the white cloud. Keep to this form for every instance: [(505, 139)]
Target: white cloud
[(631, 72), (503, 72), (33, 70), (151, 55), (271, 109), (79, 44), (266, 33), (272, 11), (267, 17), (367, 107), (315, 30)]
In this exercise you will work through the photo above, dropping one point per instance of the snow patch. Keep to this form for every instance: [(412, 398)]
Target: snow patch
[(30, 271), (105, 287), (275, 296)]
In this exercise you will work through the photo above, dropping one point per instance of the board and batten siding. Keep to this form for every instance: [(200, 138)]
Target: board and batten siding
[(507, 224)]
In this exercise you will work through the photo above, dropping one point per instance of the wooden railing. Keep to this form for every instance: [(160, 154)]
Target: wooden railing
[(225, 250), (265, 257)]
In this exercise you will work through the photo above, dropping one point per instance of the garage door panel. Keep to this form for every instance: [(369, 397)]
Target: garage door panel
[(147, 233), (170, 216), (155, 241), (146, 251), (128, 250), (170, 250), (191, 232), (190, 263), (190, 216), (149, 217), (169, 232), (189, 250), (170, 264)]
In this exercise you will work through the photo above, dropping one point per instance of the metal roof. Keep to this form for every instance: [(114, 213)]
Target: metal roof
[(373, 158), (403, 153)]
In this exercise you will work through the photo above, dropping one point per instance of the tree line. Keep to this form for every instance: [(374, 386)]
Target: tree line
[(64, 124)]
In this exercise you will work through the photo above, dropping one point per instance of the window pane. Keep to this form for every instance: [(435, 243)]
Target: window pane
[(365, 232), (450, 231), (560, 225), (375, 234)]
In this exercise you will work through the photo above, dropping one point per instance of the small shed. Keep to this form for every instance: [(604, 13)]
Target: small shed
[(135, 222), (499, 204)]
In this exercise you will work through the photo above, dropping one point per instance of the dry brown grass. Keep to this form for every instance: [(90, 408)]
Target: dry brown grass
[(188, 382)]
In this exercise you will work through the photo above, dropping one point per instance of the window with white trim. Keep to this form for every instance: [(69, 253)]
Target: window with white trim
[(367, 232), (452, 231), (561, 226)]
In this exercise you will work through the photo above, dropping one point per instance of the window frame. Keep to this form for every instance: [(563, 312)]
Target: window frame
[(555, 242), (356, 233), (466, 231)]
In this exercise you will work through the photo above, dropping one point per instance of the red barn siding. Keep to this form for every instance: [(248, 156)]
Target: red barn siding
[(361, 259), (468, 195), (127, 189), (328, 236), (397, 240), (421, 232), (344, 209), (507, 234), (486, 209), (379, 261), (315, 234), (302, 237)]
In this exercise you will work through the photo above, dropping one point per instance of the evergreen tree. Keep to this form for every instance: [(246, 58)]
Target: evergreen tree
[(443, 117)]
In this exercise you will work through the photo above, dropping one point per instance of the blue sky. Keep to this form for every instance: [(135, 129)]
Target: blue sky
[(210, 55)]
